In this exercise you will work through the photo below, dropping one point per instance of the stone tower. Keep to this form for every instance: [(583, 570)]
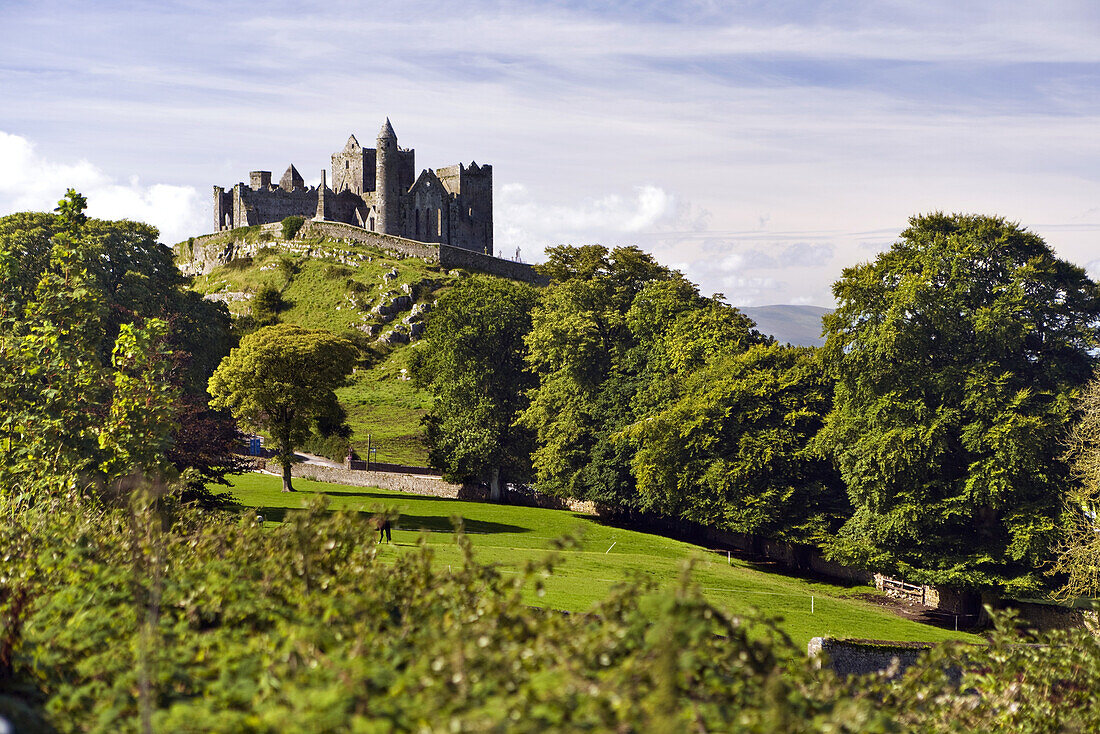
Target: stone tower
[(387, 192)]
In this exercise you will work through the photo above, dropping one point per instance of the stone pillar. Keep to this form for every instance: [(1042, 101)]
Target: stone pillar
[(320, 216)]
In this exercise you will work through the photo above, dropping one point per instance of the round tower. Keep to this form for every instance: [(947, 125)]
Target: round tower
[(387, 193)]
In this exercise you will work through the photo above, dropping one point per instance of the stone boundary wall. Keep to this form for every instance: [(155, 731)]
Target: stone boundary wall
[(200, 255), (456, 257), (428, 485), (864, 657), (380, 466), (411, 483), (1055, 616), (341, 231)]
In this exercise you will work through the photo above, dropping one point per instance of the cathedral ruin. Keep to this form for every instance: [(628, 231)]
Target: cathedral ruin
[(378, 190)]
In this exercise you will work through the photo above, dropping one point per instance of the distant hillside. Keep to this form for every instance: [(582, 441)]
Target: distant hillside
[(800, 325)]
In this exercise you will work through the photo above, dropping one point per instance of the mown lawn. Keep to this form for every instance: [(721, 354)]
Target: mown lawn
[(509, 535)]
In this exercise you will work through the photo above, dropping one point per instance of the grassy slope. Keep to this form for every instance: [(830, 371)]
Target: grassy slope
[(509, 535), (326, 294)]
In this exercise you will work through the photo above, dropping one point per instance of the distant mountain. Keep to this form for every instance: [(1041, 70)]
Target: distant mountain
[(800, 325)]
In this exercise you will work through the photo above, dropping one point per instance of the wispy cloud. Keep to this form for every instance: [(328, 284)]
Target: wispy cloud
[(701, 129)]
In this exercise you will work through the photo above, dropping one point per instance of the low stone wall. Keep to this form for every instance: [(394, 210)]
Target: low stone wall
[(379, 466), (864, 657), (456, 257), (411, 483), (341, 231), (1041, 616)]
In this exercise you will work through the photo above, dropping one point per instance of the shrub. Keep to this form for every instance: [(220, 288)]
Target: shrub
[(291, 225), (266, 304)]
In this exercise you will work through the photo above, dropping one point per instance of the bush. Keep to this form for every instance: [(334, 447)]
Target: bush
[(202, 622), (291, 225), (289, 267), (266, 304), (334, 448)]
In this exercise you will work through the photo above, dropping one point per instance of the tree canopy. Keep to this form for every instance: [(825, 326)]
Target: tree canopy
[(282, 379), (70, 288), (956, 355), (474, 364)]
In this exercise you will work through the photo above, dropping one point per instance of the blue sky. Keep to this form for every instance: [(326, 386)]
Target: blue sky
[(761, 147)]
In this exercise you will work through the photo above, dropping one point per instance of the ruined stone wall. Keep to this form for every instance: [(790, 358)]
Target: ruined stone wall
[(338, 230), (268, 205), (223, 209), (456, 257), (471, 206), (344, 207), (425, 211), (200, 255)]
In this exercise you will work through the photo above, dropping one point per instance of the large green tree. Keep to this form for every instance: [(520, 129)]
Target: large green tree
[(611, 340), (733, 448), (69, 286), (956, 355), (282, 379), (474, 364), (583, 350)]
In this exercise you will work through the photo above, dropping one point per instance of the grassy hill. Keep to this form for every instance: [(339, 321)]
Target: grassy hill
[(341, 287), (509, 536)]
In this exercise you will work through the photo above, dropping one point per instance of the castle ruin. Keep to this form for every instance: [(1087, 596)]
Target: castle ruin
[(378, 190)]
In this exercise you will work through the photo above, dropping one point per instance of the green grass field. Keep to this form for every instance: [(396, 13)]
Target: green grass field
[(509, 536)]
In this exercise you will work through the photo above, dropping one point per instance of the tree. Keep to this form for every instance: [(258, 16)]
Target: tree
[(956, 355), (85, 364), (733, 450), (1078, 551), (282, 379), (583, 350), (474, 365)]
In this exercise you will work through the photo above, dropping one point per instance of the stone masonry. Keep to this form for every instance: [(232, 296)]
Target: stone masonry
[(377, 190)]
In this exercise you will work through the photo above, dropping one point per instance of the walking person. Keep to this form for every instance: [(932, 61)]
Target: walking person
[(384, 529)]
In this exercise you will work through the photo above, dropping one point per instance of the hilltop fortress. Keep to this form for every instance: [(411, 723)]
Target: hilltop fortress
[(377, 190)]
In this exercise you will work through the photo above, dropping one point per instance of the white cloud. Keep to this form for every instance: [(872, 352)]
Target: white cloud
[(33, 182), (522, 219)]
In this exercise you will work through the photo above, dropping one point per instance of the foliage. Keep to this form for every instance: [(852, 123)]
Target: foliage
[(956, 355), (1015, 683), (70, 287), (206, 453), (281, 379), (611, 339), (139, 422), (474, 363), (304, 627), (578, 346), (266, 305), (291, 225), (1078, 551), (733, 449)]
